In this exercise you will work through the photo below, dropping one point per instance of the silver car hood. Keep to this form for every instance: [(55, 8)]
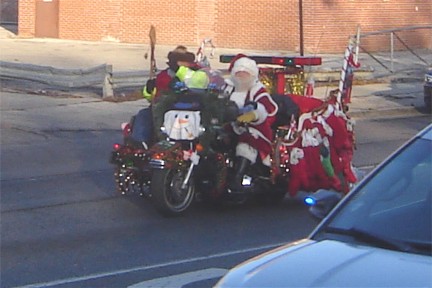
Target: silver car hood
[(308, 263)]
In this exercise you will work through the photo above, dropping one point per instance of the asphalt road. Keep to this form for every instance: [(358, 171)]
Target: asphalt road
[(63, 225)]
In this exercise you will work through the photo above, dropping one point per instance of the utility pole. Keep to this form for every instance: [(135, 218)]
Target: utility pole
[(301, 26)]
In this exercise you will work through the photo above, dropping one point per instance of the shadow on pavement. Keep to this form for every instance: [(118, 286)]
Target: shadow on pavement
[(9, 28)]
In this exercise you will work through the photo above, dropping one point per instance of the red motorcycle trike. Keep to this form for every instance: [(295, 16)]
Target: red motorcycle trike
[(312, 147)]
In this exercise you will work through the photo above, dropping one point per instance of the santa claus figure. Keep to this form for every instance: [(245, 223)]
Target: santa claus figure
[(258, 111)]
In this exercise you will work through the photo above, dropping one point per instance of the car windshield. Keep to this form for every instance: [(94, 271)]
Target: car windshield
[(393, 208)]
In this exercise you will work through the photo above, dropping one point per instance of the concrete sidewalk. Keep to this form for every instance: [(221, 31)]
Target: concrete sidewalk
[(383, 92)]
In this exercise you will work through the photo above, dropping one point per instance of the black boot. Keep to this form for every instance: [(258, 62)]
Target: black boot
[(242, 165)]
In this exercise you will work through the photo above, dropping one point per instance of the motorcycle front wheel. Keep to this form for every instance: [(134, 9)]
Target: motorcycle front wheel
[(169, 198)]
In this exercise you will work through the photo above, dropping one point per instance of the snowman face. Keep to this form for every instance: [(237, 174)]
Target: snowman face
[(182, 120), (182, 125)]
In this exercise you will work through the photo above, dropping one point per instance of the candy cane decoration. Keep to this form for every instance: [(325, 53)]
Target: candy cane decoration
[(201, 57), (350, 61)]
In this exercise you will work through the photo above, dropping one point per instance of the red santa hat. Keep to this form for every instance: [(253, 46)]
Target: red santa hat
[(238, 56), (243, 63)]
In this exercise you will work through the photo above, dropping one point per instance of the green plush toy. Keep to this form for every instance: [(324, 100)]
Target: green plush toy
[(325, 161)]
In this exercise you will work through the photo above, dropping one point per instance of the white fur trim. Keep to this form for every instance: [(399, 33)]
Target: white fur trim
[(341, 114), (266, 161), (258, 134), (247, 151), (261, 114), (303, 117), (326, 142), (255, 89), (295, 155), (308, 138), (239, 98), (330, 109), (229, 82), (245, 64), (328, 130), (350, 124)]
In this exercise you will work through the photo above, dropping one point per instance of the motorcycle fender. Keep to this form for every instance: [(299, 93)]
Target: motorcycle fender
[(166, 155)]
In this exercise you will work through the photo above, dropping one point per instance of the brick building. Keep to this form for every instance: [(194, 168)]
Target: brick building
[(251, 24)]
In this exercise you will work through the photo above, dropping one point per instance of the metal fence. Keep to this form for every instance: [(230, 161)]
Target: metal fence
[(100, 77), (394, 38)]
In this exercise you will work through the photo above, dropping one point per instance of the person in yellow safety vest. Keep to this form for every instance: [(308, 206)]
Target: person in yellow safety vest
[(180, 63), (194, 79), (178, 57)]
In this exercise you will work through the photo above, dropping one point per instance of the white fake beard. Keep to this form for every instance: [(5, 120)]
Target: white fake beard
[(243, 84)]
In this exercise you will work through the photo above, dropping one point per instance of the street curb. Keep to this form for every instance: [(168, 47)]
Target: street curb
[(388, 113)]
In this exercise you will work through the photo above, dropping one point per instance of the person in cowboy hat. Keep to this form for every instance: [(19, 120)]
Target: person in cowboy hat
[(179, 57), (143, 127), (181, 67)]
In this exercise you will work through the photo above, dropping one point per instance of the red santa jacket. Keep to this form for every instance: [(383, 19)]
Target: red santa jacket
[(260, 134), (162, 82)]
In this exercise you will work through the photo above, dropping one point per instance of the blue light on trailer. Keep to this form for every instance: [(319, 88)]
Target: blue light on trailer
[(310, 201)]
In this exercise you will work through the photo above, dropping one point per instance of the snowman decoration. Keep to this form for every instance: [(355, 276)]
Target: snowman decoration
[(182, 125)]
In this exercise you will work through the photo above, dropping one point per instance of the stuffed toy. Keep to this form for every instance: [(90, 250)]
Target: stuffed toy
[(342, 144), (298, 172), (325, 159), (182, 125), (346, 157), (335, 182)]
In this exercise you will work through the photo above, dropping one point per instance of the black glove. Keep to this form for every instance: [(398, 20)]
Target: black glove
[(173, 65), (150, 85)]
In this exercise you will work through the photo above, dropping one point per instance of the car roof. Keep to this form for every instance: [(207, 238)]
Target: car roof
[(426, 133)]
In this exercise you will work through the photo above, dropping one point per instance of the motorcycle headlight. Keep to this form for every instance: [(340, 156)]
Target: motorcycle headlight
[(202, 129), (428, 78)]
